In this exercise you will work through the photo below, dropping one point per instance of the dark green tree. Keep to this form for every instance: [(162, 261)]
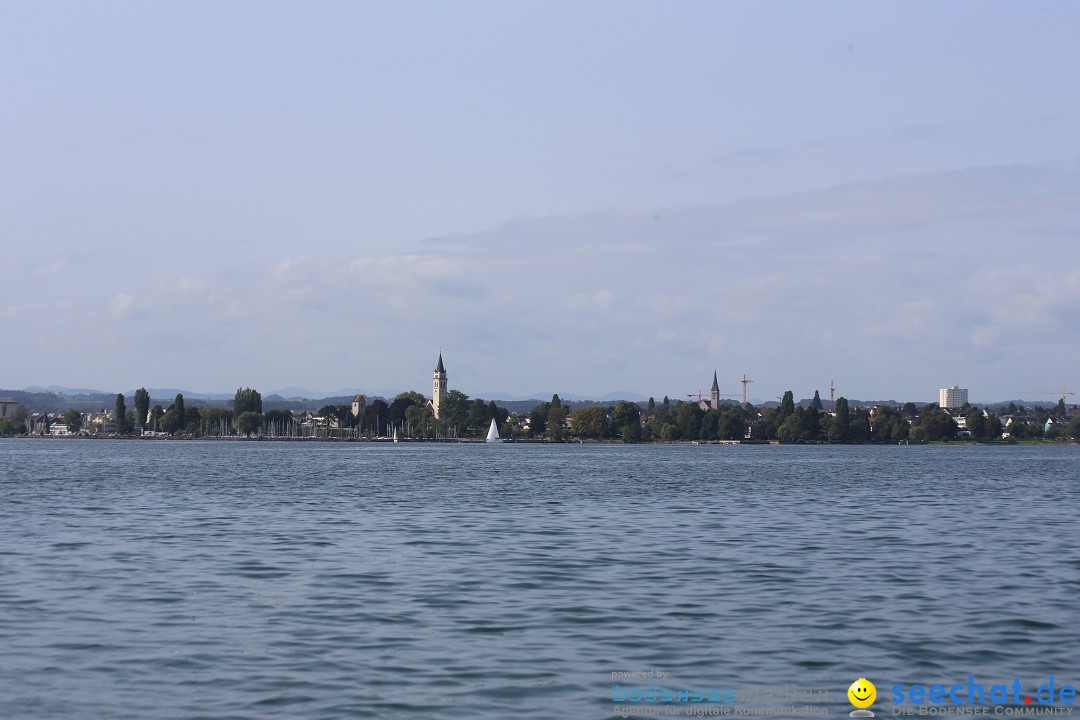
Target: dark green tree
[(279, 423), (556, 420), (121, 415), (193, 421), (181, 414), (859, 429), (216, 421), (993, 428), (840, 427), (976, 424), (396, 411), (142, 406), (538, 418), (815, 404), (1072, 428), (247, 400), (478, 418), (937, 424), (710, 425), (590, 422), (1060, 411), (377, 415), (688, 420), (73, 420), (156, 416), (732, 425), (624, 413), (248, 422), (787, 406)]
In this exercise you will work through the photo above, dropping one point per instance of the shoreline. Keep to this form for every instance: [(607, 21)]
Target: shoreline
[(538, 441)]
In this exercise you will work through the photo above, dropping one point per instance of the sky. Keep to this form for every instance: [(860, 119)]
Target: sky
[(571, 197)]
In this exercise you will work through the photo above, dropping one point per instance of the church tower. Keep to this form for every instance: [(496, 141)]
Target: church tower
[(714, 398), (438, 386)]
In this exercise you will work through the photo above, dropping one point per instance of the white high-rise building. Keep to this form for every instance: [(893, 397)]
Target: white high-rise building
[(952, 398)]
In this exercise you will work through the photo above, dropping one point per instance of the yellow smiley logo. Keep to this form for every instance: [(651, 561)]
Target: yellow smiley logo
[(862, 693)]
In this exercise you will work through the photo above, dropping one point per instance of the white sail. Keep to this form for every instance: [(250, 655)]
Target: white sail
[(493, 432)]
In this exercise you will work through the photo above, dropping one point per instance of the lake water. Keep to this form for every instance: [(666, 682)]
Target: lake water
[(286, 580)]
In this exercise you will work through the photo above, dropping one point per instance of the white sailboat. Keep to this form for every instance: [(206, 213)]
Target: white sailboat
[(493, 432), (395, 435)]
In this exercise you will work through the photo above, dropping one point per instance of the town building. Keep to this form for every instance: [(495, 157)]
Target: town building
[(952, 398)]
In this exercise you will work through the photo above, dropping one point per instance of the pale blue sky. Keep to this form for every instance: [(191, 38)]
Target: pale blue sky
[(567, 197)]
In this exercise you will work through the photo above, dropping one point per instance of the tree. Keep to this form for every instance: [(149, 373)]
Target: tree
[(479, 417), (688, 420), (624, 414), (278, 422), (556, 420), (976, 424), (397, 409), (121, 415), (1072, 429), (859, 430), (216, 420), (501, 415), (840, 427), (910, 410), (1017, 429), (73, 420), (732, 425), (538, 418), (247, 400), (710, 425), (652, 406), (376, 416), (993, 428), (453, 411), (789, 430), (421, 422), (248, 422), (178, 408), (156, 416), (193, 421), (815, 404), (142, 406), (590, 422), (417, 398), (787, 405), (937, 424)]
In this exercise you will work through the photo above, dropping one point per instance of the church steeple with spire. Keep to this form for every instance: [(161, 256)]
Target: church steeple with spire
[(714, 398), (438, 386)]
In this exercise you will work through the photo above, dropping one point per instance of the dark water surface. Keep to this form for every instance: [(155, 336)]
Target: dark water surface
[(259, 580)]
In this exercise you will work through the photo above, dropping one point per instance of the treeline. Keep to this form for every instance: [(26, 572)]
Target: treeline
[(791, 423), (409, 416)]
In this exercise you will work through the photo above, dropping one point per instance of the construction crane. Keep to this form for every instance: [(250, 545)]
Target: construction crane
[(1062, 392), (744, 382)]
